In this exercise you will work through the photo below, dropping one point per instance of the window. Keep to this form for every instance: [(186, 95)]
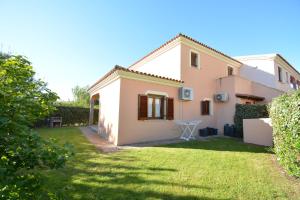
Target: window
[(287, 77), (153, 107), (230, 71), (150, 107), (293, 82), (279, 74), (194, 59), (205, 107)]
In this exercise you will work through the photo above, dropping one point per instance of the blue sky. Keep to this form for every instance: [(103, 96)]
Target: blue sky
[(76, 42)]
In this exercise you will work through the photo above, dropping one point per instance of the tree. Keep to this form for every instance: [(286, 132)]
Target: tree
[(24, 100), (81, 95)]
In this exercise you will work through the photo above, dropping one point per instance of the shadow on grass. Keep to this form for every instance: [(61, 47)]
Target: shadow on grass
[(108, 181), (220, 144), (92, 175)]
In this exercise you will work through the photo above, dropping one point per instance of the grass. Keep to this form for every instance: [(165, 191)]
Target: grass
[(215, 169)]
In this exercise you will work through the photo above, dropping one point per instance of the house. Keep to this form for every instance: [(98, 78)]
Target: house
[(184, 79), (271, 70)]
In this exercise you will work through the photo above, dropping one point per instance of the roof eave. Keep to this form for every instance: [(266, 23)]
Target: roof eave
[(127, 73), (284, 60), (180, 35)]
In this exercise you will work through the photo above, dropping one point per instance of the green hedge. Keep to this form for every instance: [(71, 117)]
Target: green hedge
[(71, 116), (285, 115), (248, 111)]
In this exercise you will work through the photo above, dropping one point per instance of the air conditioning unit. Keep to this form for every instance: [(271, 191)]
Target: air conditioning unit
[(221, 97), (186, 93)]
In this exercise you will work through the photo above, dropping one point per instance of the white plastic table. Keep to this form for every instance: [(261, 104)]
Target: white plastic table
[(187, 128)]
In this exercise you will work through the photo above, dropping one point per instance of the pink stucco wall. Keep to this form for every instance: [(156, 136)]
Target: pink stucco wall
[(132, 130), (264, 91), (202, 80), (236, 84), (226, 110)]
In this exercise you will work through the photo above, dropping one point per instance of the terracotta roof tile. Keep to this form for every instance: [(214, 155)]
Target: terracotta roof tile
[(189, 38), (117, 67)]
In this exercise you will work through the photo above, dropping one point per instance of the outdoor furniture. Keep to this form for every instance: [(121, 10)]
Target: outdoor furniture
[(230, 130), (187, 128), (55, 120), (208, 131)]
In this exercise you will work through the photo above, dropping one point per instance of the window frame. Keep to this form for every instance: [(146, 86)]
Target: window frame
[(293, 82), (166, 108), (232, 71), (162, 100), (210, 107), (198, 59), (279, 70)]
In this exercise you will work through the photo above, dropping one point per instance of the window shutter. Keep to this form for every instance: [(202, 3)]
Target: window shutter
[(162, 107), (230, 71), (205, 107), (142, 107), (202, 108), (170, 108)]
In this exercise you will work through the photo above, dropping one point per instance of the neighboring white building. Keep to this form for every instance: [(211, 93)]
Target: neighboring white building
[(271, 70)]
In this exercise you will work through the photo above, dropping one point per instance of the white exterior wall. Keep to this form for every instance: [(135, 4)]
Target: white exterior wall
[(261, 71), (165, 62), (264, 70), (109, 101), (258, 131), (285, 84)]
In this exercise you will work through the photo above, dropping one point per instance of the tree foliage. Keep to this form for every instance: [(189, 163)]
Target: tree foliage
[(81, 95), (248, 111), (24, 100)]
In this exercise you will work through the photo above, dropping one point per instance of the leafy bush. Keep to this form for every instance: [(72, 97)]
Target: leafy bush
[(23, 153), (248, 111), (285, 115), (71, 116)]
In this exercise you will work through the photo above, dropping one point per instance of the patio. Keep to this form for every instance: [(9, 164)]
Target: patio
[(101, 143)]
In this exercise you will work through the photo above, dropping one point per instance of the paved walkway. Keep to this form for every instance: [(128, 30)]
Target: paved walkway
[(100, 143), (106, 147)]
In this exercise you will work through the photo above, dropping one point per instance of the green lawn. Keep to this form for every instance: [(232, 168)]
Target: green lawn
[(216, 169)]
